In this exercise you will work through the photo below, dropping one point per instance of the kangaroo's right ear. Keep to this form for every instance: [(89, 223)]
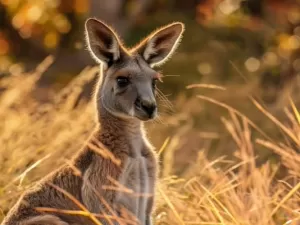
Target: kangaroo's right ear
[(103, 43)]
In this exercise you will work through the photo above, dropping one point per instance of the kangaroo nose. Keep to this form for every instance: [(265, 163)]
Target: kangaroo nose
[(148, 107)]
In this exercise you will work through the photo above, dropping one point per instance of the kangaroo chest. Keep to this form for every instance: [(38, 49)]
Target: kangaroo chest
[(134, 183), (138, 178)]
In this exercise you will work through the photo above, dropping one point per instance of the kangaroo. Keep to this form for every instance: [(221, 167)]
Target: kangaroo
[(125, 98)]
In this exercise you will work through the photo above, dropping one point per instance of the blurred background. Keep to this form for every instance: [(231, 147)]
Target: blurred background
[(259, 36), (237, 67)]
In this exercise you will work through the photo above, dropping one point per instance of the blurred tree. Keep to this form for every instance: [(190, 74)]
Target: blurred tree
[(276, 22), (19, 46)]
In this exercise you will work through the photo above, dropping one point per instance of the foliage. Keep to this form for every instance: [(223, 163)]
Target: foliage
[(44, 20)]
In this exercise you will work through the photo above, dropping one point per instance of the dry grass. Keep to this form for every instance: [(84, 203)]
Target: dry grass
[(36, 138)]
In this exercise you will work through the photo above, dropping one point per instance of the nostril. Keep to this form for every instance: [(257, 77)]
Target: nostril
[(138, 103), (149, 108)]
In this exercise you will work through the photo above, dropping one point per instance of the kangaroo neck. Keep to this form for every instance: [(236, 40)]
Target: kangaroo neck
[(128, 131), (115, 124)]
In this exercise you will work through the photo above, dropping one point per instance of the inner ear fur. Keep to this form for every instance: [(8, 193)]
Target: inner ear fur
[(103, 42), (160, 44)]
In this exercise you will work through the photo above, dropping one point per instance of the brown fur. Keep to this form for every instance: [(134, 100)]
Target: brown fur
[(120, 131)]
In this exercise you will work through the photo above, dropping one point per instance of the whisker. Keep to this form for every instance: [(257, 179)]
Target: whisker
[(166, 113), (163, 107), (175, 75), (157, 120), (161, 94)]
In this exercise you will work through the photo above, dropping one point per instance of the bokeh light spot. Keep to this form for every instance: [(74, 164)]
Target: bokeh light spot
[(16, 69), (4, 46), (270, 58), (34, 13), (229, 6), (204, 68), (18, 21), (252, 64), (51, 40), (294, 42), (62, 24)]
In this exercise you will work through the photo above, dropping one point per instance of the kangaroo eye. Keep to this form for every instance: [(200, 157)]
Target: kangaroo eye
[(122, 81)]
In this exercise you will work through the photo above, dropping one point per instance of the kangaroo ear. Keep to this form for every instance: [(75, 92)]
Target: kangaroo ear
[(103, 43), (159, 46)]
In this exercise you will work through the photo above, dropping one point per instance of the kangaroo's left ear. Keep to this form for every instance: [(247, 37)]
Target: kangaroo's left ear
[(159, 46)]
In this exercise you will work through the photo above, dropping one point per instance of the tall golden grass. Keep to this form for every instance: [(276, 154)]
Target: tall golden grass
[(37, 137)]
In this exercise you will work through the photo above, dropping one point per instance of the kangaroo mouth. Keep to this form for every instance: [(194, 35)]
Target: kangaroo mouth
[(144, 117)]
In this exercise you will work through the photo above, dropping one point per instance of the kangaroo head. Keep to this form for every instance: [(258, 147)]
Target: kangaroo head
[(127, 85)]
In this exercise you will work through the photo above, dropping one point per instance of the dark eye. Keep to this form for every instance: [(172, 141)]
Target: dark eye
[(154, 83), (122, 81)]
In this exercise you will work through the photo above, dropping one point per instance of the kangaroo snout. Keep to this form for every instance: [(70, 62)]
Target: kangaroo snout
[(149, 108), (146, 106)]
